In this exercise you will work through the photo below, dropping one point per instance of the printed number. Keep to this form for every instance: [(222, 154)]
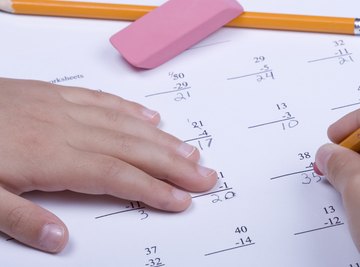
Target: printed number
[(154, 262), (259, 59), (339, 42), (196, 124), (133, 205), (329, 209), (343, 52), (241, 229), (335, 220), (281, 106), (287, 115), (244, 241), (305, 155), (150, 250), (177, 76), (181, 85)]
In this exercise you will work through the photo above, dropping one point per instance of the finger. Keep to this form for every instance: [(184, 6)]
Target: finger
[(156, 160), (98, 174), (344, 126), (31, 224), (341, 166), (121, 122), (84, 96)]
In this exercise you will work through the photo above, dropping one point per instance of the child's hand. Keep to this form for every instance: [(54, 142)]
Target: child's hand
[(55, 138), (342, 168)]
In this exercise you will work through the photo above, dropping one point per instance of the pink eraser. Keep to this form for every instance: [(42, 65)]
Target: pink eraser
[(171, 28)]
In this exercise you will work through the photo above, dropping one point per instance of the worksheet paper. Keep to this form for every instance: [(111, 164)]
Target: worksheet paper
[(256, 103)]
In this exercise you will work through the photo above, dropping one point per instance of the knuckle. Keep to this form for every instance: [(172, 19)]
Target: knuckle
[(110, 172), (125, 143), (111, 169)]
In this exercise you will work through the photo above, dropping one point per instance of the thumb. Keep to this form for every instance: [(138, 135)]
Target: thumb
[(30, 224), (341, 166)]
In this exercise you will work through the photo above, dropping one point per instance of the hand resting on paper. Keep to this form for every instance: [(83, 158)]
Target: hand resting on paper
[(55, 138), (341, 166)]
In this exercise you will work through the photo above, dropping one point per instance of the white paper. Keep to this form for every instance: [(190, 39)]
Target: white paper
[(265, 100)]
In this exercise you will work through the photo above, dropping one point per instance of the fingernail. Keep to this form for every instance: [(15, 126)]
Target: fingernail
[(51, 237), (150, 114), (180, 195), (205, 172), (186, 150), (316, 170), (322, 157)]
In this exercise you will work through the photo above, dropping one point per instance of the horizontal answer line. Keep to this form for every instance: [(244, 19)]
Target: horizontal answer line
[(325, 58), (227, 249), (197, 138), (247, 75), (346, 106), (168, 92), (271, 122), (291, 173), (317, 229), (118, 212), (213, 192)]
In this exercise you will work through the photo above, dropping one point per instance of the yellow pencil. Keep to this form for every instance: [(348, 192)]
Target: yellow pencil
[(352, 141), (254, 20)]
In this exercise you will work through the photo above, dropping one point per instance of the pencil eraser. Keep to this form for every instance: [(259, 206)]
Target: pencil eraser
[(171, 28)]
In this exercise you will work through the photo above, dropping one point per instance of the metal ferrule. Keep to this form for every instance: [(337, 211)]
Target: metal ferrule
[(357, 26)]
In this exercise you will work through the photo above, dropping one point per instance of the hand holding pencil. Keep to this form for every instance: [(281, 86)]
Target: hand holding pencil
[(255, 20), (341, 165)]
